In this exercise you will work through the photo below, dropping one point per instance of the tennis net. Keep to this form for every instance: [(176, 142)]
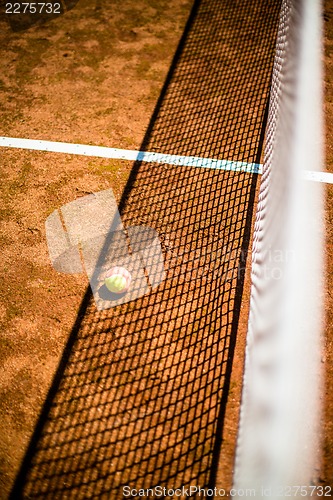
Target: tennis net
[(278, 439)]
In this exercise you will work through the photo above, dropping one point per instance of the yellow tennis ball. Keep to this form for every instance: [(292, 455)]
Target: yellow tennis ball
[(117, 280)]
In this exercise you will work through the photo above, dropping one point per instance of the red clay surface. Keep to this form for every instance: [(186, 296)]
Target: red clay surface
[(149, 393)]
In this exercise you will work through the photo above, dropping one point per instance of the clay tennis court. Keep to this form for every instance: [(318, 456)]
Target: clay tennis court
[(146, 393)]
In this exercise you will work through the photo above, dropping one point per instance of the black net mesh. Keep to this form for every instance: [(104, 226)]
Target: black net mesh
[(140, 396)]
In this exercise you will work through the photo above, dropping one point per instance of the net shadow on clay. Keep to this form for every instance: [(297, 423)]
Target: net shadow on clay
[(139, 397)]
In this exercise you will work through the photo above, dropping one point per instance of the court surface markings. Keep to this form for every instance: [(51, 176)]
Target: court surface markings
[(144, 156)]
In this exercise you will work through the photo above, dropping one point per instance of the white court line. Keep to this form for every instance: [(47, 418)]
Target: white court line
[(127, 154), (132, 155)]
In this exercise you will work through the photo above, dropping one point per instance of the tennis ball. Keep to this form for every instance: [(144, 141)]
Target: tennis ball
[(117, 280)]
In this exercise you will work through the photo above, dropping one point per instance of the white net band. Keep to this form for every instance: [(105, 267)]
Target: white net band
[(278, 433)]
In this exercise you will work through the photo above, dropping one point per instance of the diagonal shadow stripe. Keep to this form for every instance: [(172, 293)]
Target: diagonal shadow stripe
[(139, 397)]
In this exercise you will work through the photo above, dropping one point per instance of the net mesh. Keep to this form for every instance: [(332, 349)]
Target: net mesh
[(140, 396), (278, 435)]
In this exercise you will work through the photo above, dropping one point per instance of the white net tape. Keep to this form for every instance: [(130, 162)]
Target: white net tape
[(279, 422)]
